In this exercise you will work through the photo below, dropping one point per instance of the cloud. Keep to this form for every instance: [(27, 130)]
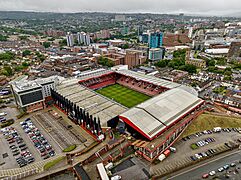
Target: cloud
[(212, 7)]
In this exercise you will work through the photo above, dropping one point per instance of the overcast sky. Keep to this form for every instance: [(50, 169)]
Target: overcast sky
[(205, 7)]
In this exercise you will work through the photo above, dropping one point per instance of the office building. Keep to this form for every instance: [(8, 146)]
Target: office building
[(144, 38), (155, 40), (156, 54), (33, 95), (134, 58), (70, 39)]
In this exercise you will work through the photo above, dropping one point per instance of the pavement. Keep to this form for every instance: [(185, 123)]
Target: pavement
[(195, 173)]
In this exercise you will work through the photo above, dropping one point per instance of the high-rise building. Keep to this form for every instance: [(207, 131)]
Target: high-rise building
[(190, 32), (134, 58), (156, 54), (70, 39), (144, 38), (83, 38), (155, 40)]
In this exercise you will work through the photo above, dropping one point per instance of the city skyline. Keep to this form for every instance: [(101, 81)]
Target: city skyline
[(215, 7)]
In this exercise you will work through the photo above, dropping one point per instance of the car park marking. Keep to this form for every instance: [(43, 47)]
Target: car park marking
[(47, 131)]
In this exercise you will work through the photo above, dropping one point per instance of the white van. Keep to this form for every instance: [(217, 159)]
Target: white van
[(217, 129), (3, 114)]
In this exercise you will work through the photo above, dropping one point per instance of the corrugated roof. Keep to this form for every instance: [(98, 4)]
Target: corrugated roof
[(154, 115)]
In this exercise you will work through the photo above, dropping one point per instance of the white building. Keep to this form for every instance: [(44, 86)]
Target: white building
[(190, 32), (32, 95), (83, 38), (70, 39), (156, 54)]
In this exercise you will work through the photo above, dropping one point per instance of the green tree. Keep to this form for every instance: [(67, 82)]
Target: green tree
[(7, 56), (7, 71), (211, 62), (26, 53), (190, 68), (63, 42), (105, 62), (162, 63), (125, 46), (3, 38), (46, 44)]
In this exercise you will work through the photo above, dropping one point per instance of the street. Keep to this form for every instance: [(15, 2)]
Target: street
[(197, 171)]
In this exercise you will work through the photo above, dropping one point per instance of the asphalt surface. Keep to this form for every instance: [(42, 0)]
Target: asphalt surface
[(196, 172)]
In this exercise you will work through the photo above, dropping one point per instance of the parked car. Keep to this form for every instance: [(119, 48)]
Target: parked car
[(205, 176), (212, 173)]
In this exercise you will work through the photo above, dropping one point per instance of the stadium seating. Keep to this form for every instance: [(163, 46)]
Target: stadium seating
[(130, 82)]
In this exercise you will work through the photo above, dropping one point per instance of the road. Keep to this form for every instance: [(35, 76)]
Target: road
[(196, 172)]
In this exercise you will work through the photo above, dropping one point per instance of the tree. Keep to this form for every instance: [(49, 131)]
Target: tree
[(26, 53), (105, 62), (7, 70), (3, 38), (63, 42), (125, 46), (190, 68), (7, 56), (211, 62), (162, 63), (25, 64), (46, 44)]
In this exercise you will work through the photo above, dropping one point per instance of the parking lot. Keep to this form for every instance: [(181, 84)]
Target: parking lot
[(63, 133), (11, 112), (23, 143), (185, 154), (13, 146)]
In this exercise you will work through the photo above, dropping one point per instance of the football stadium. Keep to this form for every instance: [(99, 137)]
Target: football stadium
[(153, 110)]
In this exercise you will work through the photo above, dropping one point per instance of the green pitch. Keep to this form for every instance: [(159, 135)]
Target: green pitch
[(125, 96)]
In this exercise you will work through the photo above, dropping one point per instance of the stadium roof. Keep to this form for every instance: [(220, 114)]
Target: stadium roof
[(93, 73), (156, 114), (96, 104), (150, 79)]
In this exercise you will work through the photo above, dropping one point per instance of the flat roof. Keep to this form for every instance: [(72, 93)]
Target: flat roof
[(22, 84), (158, 113)]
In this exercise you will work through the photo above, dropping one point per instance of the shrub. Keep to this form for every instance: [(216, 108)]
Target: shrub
[(194, 146)]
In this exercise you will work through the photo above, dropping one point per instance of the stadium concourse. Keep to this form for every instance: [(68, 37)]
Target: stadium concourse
[(157, 122)]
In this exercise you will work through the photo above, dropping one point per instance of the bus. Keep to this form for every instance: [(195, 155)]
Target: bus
[(101, 170)]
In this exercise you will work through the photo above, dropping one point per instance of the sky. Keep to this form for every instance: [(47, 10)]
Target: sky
[(199, 7)]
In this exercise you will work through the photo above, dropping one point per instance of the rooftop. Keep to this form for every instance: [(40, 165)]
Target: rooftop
[(22, 84), (158, 113), (96, 104)]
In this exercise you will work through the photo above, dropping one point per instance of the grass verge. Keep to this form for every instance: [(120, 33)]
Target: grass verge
[(209, 121), (70, 148), (50, 164)]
